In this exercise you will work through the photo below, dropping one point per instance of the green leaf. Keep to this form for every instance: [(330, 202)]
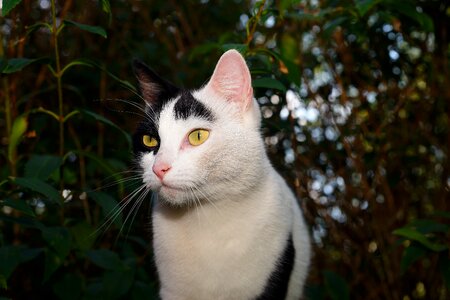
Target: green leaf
[(83, 237), (77, 62), (109, 206), (25, 222), (336, 286), (92, 29), (269, 83), (12, 256), (429, 226), (17, 64), (104, 120), (19, 204), (414, 235), (106, 259), (409, 9), (58, 238), (9, 260), (39, 186), (410, 255), (18, 129), (69, 287), (42, 166), (363, 6), (52, 263), (8, 5), (117, 283), (106, 7), (36, 26)]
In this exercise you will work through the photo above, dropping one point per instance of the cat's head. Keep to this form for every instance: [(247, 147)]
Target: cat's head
[(200, 145)]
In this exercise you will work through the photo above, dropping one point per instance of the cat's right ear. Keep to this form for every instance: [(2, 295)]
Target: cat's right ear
[(153, 88)]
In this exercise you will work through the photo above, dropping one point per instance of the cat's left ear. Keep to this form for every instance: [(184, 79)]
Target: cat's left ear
[(231, 80), (153, 88)]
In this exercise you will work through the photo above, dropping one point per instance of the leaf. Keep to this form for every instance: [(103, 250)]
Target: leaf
[(116, 284), (106, 7), (69, 287), (36, 26), (336, 286), (410, 255), (42, 166), (92, 29), (77, 62), (9, 260), (8, 5), (39, 186), (429, 226), (20, 205), (18, 129), (363, 6), (12, 256), (106, 259), (17, 64), (52, 263), (269, 83), (109, 206), (104, 120), (58, 238), (83, 237), (409, 9), (414, 235), (25, 222)]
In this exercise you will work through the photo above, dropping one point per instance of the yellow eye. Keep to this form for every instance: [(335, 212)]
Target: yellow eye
[(198, 137), (149, 141)]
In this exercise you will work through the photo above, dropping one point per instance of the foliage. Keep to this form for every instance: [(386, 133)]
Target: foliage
[(355, 104)]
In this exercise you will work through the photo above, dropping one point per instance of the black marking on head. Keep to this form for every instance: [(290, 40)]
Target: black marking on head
[(277, 285), (145, 128), (187, 106)]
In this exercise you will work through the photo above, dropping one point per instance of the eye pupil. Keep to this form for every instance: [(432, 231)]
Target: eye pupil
[(149, 141), (198, 137)]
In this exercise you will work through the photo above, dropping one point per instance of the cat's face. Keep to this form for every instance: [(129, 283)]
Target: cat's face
[(203, 145)]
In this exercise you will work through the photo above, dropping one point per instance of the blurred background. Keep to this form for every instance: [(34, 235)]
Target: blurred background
[(355, 97)]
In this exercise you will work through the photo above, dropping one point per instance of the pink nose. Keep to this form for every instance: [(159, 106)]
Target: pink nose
[(160, 169)]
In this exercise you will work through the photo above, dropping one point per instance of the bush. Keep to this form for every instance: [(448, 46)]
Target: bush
[(355, 103)]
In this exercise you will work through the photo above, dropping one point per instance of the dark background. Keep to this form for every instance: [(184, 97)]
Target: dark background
[(356, 103)]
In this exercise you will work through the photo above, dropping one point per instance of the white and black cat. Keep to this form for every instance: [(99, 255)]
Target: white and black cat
[(225, 224)]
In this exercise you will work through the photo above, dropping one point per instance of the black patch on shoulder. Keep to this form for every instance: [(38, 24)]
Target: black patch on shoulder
[(277, 285), (188, 106)]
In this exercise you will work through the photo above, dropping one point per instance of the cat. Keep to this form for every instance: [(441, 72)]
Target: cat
[(225, 224)]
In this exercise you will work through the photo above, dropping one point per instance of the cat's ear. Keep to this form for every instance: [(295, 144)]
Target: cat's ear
[(231, 79), (153, 88)]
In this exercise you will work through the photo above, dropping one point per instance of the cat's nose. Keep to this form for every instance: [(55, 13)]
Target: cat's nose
[(160, 169)]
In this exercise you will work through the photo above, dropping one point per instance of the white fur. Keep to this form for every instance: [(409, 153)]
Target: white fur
[(225, 214)]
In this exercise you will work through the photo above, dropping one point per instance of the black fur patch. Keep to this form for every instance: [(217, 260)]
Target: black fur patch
[(277, 285), (188, 106), (146, 127)]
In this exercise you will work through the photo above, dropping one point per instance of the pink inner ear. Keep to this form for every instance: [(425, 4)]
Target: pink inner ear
[(231, 79)]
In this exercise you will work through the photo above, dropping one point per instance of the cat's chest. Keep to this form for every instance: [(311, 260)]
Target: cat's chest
[(197, 256)]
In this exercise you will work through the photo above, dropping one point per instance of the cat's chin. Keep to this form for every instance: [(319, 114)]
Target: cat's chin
[(172, 195)]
